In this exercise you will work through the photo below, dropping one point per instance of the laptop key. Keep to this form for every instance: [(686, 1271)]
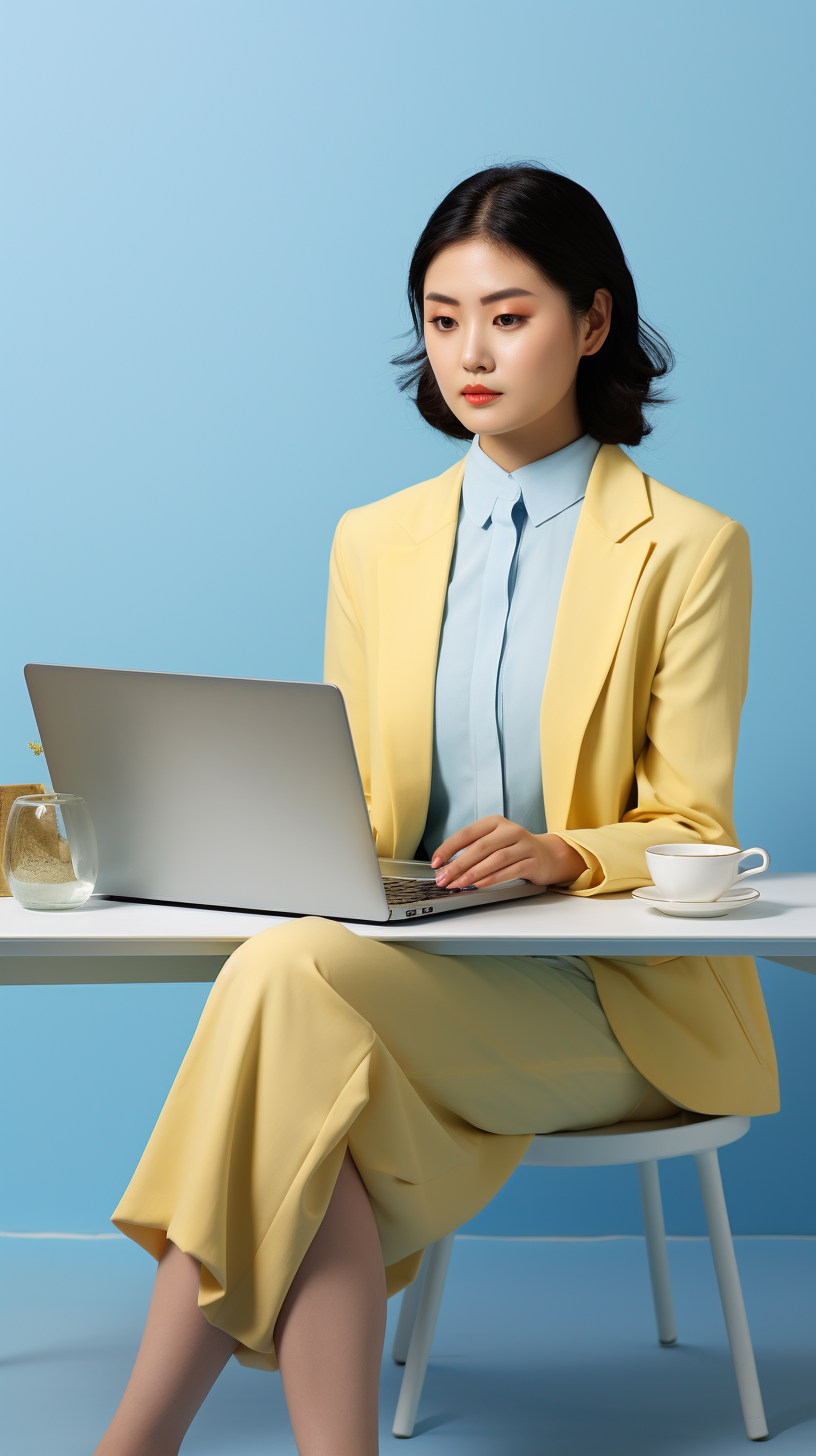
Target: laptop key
[(408, 892)]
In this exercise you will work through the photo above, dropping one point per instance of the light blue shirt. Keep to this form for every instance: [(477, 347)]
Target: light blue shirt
[(513, 541)]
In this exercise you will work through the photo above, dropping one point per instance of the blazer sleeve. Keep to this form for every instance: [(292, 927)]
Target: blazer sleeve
[(344, 661), (685, 773)]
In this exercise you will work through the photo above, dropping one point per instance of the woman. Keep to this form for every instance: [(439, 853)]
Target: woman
[(543, 655)]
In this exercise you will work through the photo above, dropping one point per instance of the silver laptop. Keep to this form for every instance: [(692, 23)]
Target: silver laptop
[(235, 793)]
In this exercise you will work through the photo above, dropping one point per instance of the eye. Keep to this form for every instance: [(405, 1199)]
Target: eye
[(506, 320), (444, 324)]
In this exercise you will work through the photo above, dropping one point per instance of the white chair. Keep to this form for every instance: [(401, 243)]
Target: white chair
[(643, 1143)]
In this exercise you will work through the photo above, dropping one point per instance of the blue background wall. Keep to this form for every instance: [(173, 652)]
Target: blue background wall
[(209, 211)]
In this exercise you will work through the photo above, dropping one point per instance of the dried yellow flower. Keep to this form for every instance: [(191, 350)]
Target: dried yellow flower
[(36, 749)]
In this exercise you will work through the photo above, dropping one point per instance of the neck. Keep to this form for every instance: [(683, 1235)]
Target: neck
[(553, 431)]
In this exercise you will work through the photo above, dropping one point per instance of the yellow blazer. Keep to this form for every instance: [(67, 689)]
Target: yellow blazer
[(639, 725)]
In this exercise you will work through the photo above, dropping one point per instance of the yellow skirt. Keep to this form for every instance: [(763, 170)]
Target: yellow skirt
[(434, 1071)]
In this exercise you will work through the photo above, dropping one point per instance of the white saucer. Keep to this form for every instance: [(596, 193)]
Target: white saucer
[(733, 899)]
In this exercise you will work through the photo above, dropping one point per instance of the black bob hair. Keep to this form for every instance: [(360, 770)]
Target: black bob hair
[(565, 233)]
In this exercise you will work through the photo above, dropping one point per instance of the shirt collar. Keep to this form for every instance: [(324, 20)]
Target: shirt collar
[(547, 486)]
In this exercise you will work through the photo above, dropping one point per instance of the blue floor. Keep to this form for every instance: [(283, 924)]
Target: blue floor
[(542, 1347)]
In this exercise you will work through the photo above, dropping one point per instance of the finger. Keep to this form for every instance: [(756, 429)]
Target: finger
[(499, 838), (524, 870), (504, 861), (464, 837)]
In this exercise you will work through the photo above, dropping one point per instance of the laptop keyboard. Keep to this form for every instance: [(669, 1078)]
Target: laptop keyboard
[(410, 892)]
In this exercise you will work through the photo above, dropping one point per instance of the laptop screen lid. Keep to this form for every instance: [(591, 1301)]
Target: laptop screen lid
[(231, 792)]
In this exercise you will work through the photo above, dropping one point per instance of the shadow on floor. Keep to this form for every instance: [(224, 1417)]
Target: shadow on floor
[(683, 1400), (541, 1350)]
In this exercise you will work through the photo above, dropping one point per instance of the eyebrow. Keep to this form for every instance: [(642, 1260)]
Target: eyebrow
[(489, 297)]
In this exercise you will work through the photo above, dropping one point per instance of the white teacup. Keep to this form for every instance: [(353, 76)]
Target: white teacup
[(699, 871)]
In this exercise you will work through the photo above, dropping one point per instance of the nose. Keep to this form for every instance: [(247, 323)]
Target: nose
[(476, 354)]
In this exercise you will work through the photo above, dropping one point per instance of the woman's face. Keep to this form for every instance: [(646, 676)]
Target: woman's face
[(501, 340)]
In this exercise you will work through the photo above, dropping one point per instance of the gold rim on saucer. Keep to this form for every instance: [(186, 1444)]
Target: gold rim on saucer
[(733, 899)]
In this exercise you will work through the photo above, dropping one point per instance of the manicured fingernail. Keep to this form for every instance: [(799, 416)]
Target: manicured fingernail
[(435, 862), (441, 877)]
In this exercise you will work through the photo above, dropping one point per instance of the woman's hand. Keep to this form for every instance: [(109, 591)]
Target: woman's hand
[(496, 849)]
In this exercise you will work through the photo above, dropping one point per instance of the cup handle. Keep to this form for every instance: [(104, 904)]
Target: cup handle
[(766, 860)]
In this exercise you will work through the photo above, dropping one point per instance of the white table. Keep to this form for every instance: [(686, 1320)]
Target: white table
[(108, 941)]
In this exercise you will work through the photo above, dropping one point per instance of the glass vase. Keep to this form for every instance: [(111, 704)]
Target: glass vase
[(49, 852)]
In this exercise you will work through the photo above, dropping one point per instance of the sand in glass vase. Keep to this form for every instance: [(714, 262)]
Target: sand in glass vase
[(49, 854)]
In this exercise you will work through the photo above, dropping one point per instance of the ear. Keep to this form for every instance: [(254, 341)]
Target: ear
[(596, 322)]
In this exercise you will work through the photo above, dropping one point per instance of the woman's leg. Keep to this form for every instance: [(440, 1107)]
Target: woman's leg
[(315, 1041), (329, 1339), (330, 1331), (179, 1359)]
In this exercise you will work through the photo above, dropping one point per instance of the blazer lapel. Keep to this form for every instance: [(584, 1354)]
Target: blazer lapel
[(412, 586), (604, 568)]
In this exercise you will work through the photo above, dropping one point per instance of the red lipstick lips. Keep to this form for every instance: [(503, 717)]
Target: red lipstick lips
[(478, 395)]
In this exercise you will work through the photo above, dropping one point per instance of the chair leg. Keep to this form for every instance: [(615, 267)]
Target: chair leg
[(408, 1314), (649, 1179), (736, 1323), (422, 1338)]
